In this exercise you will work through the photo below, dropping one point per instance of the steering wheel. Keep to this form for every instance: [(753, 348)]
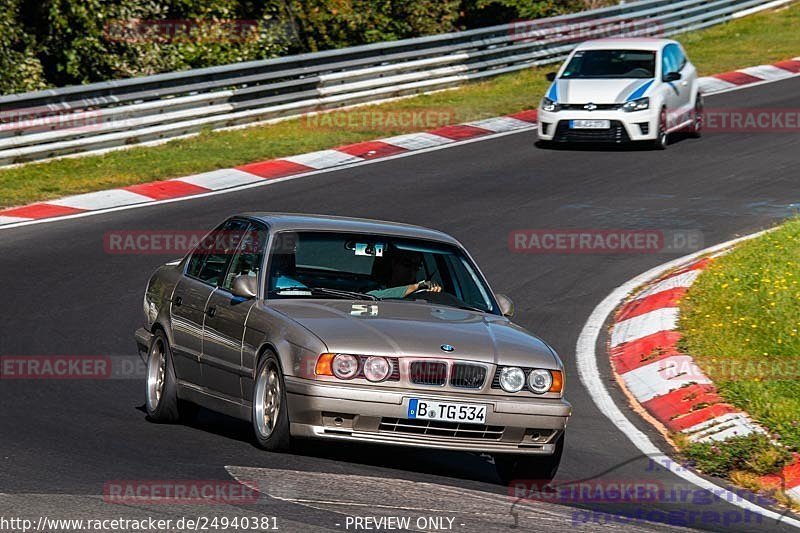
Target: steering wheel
[(639, 72), (424, 286)]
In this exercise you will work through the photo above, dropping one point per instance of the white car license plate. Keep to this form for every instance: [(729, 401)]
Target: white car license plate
[(590, 124), (470, 413)]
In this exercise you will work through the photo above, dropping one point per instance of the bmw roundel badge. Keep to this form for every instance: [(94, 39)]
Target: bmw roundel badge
[(447, 347)]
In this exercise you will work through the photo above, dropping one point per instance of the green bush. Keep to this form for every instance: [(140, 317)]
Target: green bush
[(753, 453), (20, 69), (67, 42)]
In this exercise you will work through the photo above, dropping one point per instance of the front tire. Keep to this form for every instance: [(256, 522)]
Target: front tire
[(697, 126), (662, 137), (270, 415), (161, 398), (532, 467)]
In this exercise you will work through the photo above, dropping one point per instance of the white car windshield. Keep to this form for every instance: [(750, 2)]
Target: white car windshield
[(374, 267), (598, 64)]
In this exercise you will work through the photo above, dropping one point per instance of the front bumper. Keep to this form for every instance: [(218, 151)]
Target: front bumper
[(630, 127), (357, 413)]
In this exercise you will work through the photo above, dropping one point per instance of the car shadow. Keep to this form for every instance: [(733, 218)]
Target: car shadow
[(202, 419), (639, 146), (450, 464)]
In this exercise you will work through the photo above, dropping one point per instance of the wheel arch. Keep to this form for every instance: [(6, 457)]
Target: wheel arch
[(266, 346)]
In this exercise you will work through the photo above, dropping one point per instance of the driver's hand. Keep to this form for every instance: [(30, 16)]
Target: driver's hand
[(429, 286)]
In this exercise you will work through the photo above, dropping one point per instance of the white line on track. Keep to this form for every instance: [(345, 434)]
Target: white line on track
[(589, 374)]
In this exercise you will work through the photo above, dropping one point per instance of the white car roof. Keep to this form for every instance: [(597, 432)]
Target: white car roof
[(641, 43)]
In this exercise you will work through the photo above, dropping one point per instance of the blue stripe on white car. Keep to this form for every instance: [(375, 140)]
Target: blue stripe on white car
[(553, 93), (638, 93)]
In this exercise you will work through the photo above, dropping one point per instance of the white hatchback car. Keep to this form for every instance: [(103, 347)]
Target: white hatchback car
[(622, 90)]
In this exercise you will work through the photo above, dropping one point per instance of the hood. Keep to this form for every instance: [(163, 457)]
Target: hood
[(584, 91), (411, 329)]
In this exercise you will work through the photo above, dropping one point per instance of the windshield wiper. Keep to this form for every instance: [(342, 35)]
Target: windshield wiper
[(347, 295)]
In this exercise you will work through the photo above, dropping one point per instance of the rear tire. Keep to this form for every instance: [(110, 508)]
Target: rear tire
[(662, 137), (532, 467), (161, 398), (270, 415)]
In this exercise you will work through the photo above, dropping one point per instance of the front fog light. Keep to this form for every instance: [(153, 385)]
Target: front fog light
[(345, 366), (512, 379), (540, 381), (377, 368)]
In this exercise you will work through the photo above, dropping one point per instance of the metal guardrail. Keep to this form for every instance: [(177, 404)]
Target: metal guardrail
[(116, 114)]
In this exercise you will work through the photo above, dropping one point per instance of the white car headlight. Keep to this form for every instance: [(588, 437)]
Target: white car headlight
[(540, 381), (512, 379), (345, 366), (377, 368), (548, 105), (639, 104)]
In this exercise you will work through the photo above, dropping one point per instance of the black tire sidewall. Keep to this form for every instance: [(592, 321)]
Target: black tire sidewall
[(699, 108), (167, 408), (662, 140)]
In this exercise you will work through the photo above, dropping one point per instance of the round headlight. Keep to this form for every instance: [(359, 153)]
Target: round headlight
[(512, 379), (540, 381), (377, 368), (345, 366)]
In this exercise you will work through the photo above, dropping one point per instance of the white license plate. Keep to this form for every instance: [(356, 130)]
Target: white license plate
[(470, 413), (590, 124)]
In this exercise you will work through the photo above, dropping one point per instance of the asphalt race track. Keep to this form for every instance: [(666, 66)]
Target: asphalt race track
[(62, 441)]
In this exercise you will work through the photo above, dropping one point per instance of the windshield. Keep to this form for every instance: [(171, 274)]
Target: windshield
[(373, 267), (611, 64)]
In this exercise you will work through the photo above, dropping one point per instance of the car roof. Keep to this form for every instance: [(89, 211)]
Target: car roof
[(303, 222), (639, 43)]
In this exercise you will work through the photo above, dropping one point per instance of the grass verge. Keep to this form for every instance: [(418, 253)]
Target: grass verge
[(761, 38), (748, 456), (740, 323)]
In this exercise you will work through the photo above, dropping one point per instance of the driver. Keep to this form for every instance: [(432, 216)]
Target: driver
[(398, 276)]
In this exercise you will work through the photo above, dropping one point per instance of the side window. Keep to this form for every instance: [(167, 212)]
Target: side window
[(211, 258), (666, 62), (673, 59), (249, 256), (681, 58)]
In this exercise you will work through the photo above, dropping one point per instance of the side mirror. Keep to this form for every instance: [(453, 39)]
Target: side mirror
[(506, 305), (551, 76), (245, 286), (672, 76)]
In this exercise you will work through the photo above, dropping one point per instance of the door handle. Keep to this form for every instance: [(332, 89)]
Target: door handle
[(211, 311), (178, 301)]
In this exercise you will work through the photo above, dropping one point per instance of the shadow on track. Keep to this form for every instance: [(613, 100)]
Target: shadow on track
[(451, 464)]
